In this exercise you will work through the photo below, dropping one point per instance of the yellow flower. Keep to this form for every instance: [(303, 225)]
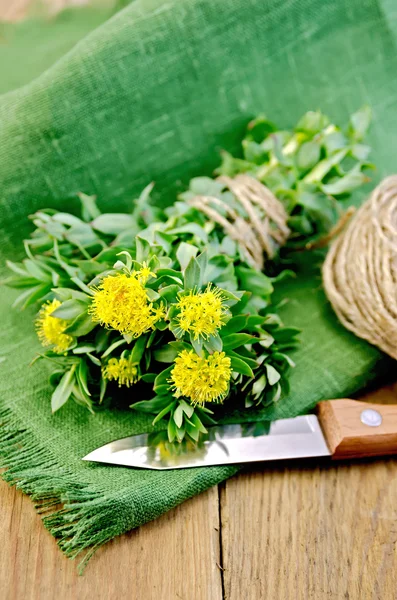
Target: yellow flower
[(120, 302), (201, 379), (145, 273), (201, 313), (121, 369), (50, 330)]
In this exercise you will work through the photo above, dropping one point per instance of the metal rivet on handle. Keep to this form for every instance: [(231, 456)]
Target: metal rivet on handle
[(371, 417)]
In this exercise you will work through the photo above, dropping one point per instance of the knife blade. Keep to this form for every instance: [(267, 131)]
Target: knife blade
[(343, 429)]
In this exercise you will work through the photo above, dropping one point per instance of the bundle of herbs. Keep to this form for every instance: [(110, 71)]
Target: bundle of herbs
[(168, 307)]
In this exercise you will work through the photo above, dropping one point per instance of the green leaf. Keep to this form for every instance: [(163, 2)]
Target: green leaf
[(280, 356), (82, 325), (205, 186), (188, 409), (324, 166), (164, 240), (192, 431), (171, 273), (247, 359), (142, 202), (70, 310), (256, 282), (266, 340), (112, 347), (151, 406), (162, 378), (276, 393), (17, 268), (185, 253), (197, 423), (19, 283), (167, 354), (259, 385), (170, 292), (255, 321), (149, 377), (308, 155), (273, 376), (171, 431), (82, 286), (94, 359), (113, 223), (192, 275), (234, 325), (31, 295), (89, 207), (101, 339), (240, 366), (194, 228), (260, 128), (162, 390), (352, 180), (197, 344), (84, 348), (82, 373), (361, 151), (237, 339), (178, 416), (139, 349), (231, 298), (335, 140), (164, 412), (180, 433), (300, 224), (142, 249), (214, 343), (103, 388), (64, 389), (152, 294), (312, 122), (33, 267), (359, 123), (64, 294)]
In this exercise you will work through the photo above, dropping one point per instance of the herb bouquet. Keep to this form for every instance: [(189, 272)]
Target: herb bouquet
[(171, 312)]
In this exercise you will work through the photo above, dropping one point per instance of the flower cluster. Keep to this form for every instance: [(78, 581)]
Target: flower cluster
[(201, 379), (51, 330), (120, 302), (201, 313), (122, 370)]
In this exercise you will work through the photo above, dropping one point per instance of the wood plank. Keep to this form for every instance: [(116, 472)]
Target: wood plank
[(304, 532), (174, 557)]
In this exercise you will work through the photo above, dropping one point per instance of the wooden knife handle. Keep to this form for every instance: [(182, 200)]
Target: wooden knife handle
[(356, 429)]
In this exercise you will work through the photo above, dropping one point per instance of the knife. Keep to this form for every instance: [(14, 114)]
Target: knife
[(342, 429)]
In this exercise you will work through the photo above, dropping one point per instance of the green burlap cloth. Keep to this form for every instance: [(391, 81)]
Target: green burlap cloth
[(153, 94)]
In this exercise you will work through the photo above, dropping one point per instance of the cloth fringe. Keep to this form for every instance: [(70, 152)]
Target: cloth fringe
[(80, 517)]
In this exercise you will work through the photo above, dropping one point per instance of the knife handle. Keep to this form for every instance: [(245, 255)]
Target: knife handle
[(356, 429)]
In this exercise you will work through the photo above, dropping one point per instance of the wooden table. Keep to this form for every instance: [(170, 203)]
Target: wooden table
[(289, 533), (286, 533)]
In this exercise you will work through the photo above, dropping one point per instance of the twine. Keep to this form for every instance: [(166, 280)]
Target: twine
[(360, 270), (261, 227)]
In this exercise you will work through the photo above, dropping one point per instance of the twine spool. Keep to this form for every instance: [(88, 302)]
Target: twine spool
[(360, 270), (259, 228)]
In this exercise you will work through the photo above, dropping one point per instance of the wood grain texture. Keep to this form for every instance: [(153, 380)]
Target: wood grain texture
[(174, 557), (308, 533), (348, 437)]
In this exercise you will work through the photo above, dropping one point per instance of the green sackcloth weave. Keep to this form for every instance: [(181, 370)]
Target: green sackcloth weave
[(153, 94)]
